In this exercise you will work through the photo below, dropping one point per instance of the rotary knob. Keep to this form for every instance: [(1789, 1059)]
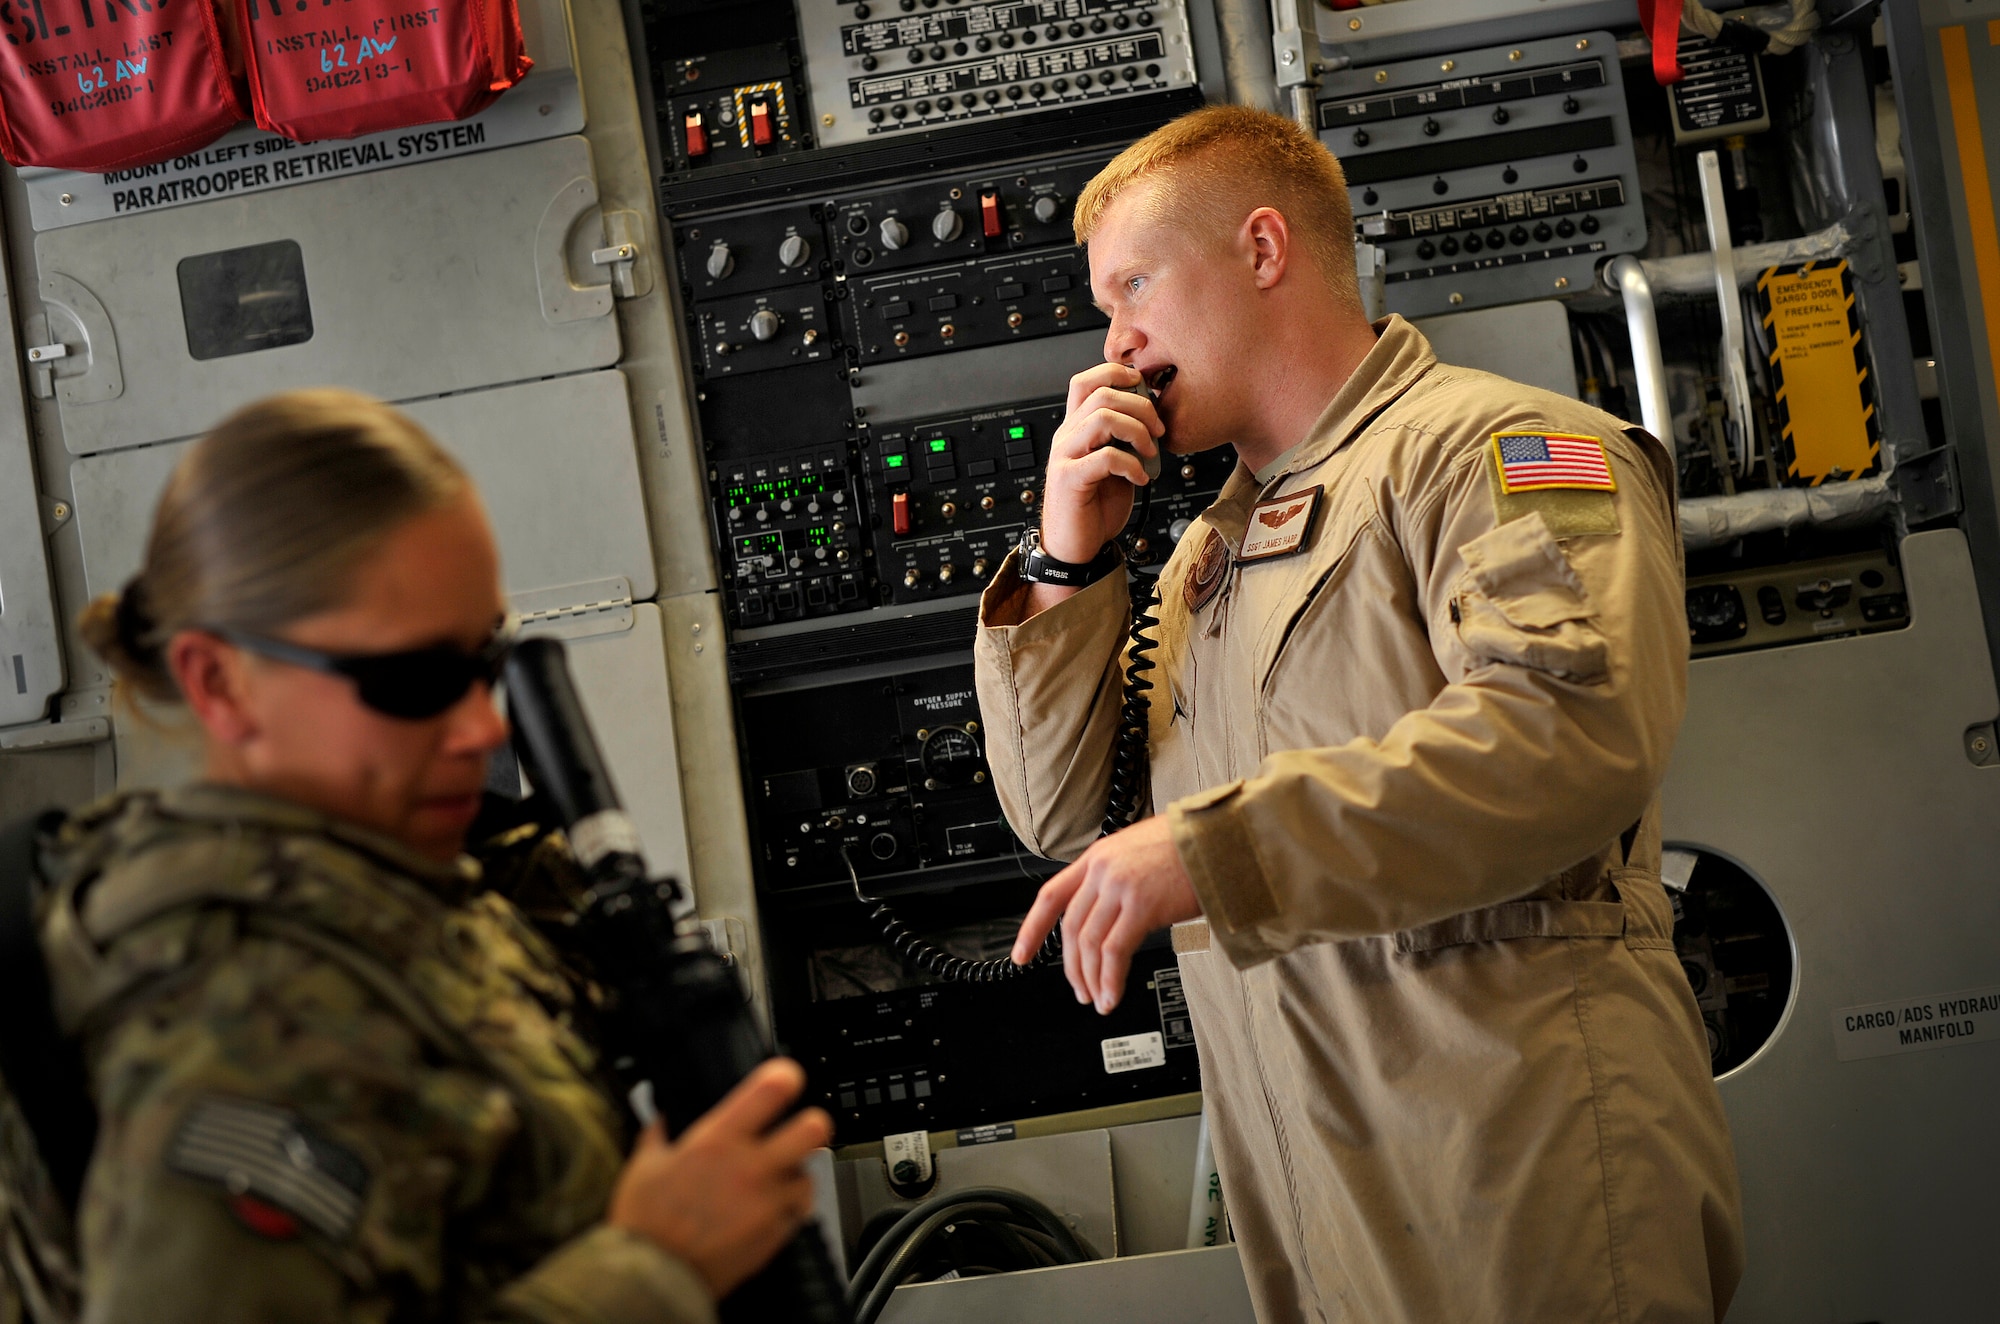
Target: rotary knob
[(794, 251), (892, 233), (720, 261), (1046, 209), (947, 224), (764, 324)]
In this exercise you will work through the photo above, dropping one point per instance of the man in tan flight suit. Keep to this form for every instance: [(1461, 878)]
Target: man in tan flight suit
[(1420, 670)]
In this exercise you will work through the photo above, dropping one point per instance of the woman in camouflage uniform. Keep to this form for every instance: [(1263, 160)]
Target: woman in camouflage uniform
[(338, 1080)]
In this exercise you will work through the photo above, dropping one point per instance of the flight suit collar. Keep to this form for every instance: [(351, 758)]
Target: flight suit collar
[(234, 805), (1401, 356)]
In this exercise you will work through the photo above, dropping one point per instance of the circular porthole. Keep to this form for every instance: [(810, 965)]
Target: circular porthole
[(1734, 948)]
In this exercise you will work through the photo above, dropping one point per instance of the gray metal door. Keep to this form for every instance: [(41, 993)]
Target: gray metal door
[(405, 283)]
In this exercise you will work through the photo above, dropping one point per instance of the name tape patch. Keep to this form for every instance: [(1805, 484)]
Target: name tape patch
[(1911, 1025), (1551, 461), (1278, 526)]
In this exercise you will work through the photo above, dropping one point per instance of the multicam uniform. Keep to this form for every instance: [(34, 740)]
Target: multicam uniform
[(336, 1082), (1408, 734)]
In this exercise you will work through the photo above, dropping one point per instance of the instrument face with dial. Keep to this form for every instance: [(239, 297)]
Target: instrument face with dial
[(950, 757)]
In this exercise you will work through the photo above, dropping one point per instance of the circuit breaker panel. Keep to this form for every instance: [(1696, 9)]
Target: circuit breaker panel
[(881, 338)]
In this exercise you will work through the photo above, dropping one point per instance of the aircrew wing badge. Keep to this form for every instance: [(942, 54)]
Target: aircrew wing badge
[(1279, 526), (1206, 575)]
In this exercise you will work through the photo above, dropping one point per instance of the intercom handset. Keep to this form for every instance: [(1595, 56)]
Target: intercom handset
[(1153, 388)]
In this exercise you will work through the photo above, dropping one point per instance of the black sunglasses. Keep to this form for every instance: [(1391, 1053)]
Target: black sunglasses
[(413, 685)]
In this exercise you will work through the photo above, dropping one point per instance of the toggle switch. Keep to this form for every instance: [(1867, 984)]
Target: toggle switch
[(989, 213), (760, 121), (697, 135), (899, 513)]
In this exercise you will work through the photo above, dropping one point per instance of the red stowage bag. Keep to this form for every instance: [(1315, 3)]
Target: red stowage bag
[(111, 84), (345, 68)]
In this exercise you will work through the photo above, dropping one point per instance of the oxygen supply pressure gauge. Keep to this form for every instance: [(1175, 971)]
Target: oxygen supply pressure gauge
[(950, 757)]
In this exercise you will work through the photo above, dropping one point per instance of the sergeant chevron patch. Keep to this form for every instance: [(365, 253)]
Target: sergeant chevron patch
[(269, 1157)]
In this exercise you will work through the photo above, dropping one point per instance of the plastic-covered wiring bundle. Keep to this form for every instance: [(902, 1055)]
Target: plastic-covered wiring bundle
[(1032, 1233)]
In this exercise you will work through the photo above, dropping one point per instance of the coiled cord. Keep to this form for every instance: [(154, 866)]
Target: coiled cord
[(1129, 763), (1129, 766), (934, 960)]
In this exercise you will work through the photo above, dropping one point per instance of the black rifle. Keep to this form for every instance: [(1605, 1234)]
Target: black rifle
[(677, 1020)]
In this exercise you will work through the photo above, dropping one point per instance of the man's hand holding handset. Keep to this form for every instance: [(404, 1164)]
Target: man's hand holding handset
[(1133, 882), (1113, 430)]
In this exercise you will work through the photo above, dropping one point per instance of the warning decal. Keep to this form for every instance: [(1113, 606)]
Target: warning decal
[(1176, 1026), (1134, 1052), (1912, 1025), (1811, 337)]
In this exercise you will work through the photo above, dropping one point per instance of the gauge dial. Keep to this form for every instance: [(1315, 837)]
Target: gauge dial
[(950, 757)]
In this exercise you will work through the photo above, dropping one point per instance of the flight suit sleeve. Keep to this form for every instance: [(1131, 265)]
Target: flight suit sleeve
[(276, 1145), (1567, 665), (1049, 694)]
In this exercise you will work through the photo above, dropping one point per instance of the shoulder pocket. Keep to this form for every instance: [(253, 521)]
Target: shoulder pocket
[(1520, 603)]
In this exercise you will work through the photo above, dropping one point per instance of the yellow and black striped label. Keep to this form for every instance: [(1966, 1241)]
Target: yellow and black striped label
[(1819, 374)]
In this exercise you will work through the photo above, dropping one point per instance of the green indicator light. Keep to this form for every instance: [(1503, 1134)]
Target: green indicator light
[(893, 461), (941, 444), (1016, 433)]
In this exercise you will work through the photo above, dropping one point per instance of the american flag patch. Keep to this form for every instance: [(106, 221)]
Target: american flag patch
[(1538, 461), (252, 1149)]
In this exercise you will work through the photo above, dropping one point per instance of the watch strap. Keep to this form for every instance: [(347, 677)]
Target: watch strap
[(1038, 567)]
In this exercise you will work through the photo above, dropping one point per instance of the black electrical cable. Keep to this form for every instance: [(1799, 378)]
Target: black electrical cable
[(1129, 748), (934, 960), (898, 1264), (1012, 1217)]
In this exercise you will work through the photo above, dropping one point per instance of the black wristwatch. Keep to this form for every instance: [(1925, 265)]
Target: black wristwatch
[(1038, 567)]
